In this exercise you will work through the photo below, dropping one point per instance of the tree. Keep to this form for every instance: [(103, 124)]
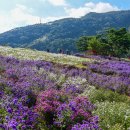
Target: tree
[(111, 42), (94, 44), (118, 40), (82, 43), (98, 47)]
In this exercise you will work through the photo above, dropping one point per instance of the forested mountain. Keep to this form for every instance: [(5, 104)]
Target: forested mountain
[(62, 34)]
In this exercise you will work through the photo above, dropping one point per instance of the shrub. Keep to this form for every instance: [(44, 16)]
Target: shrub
[(113, 115), (59, 110), (102, 95)]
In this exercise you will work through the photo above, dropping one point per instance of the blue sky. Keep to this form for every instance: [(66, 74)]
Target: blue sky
[(15, 13)]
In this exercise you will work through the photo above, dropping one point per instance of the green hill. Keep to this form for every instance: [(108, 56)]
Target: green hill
[(62, 34)]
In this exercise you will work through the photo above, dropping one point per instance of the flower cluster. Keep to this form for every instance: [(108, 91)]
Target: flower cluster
[(38, 94), (113, 75), (18, 115), (61, 110)]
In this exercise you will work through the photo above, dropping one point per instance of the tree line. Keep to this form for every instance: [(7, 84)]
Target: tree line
[(112, 42)]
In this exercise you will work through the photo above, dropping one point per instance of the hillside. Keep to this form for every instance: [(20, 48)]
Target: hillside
[(62, 34), (28, 54), (36, 85)]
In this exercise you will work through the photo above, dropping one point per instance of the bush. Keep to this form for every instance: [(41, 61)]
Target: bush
[(57, 111), (113, 115), (102, 95)]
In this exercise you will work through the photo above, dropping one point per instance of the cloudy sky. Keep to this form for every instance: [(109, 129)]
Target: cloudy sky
[(16, 13)]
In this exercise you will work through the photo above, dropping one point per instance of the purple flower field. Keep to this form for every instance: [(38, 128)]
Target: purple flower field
[(113, 75), (31, 98)]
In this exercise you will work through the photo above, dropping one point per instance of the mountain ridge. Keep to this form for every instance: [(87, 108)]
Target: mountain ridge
[(62, 34)]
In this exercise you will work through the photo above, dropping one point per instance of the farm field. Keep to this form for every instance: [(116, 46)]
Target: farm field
[(45, 91)]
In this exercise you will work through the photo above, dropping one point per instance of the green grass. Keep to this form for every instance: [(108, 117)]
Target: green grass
[(22, 53), (112, 108), (113, 115), (102, 95)]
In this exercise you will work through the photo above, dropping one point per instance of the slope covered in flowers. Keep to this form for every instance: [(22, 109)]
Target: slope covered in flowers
[(47, 95), (32, 99), (25, 54)]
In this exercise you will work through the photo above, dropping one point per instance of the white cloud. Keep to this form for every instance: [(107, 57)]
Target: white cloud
[(4, 23), (90, 7), (17, 17), (21, 16), (56, 2)]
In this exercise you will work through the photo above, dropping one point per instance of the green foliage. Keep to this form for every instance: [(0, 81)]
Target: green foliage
[(96, 45), (3, 114), (113, 115), (112, 108), (116, 127), (128, 53), (55, 45), (82, 43), (101, 95), (118, 40), (112, 42)]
